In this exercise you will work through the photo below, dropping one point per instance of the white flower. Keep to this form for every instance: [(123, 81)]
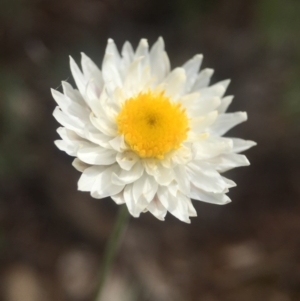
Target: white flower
[(147, 136)]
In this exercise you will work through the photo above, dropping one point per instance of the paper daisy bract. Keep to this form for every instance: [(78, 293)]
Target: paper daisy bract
[(148, 136)]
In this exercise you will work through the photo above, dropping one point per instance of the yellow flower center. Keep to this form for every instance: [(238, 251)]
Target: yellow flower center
[(152, 125)]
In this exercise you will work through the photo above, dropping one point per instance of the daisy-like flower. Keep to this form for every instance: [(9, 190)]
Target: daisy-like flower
[(148, 136)]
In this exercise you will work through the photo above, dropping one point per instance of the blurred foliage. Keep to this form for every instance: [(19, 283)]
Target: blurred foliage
[(12, 125), (2, 240), (280, 25), (192, 8), (291, 97), (280, 22), (20, 12)]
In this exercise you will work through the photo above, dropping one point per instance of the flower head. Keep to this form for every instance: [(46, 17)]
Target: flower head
[(148, 136)]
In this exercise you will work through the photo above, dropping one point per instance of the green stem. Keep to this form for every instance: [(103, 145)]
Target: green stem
[(112, 248)]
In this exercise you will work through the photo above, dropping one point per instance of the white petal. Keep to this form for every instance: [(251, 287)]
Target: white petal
[(240, 145), (144, 189), (194, 137), (110, 72), (190, 100), (127, 159), (118, 198), (124, 177), (160, 64), (227, 121), (225, 102), (104, 125), (164, 176), (213, 91), (182, 209), (175, 205), (91, 71), (69, 135), (79, 165), (226, 162), (157, 209), (70, 107), (71, 141), (111, 49), (128, 197), (182, 155), (127, 51), (213, 198), (136, 79), (212, 147), (103, 186), (110, 110), (97, 105), (96, 155), (151, 166), (203, 106), (67, 147), (92, 93), (134, 208), (93, 77), (88, 177), (142, 51), (206, 178), (191, 209), (118, 144), (72, 94), (224, 83), (191, 68), (217, 89), (174, 83), (181, 178), (202, 123), (127, 57), (94, 135), (167, 160), (203, 79), (173, 188), (78, 77), (229, 182), (70, 122)]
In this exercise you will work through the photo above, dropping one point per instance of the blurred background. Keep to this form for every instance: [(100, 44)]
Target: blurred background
[(52, 237)]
